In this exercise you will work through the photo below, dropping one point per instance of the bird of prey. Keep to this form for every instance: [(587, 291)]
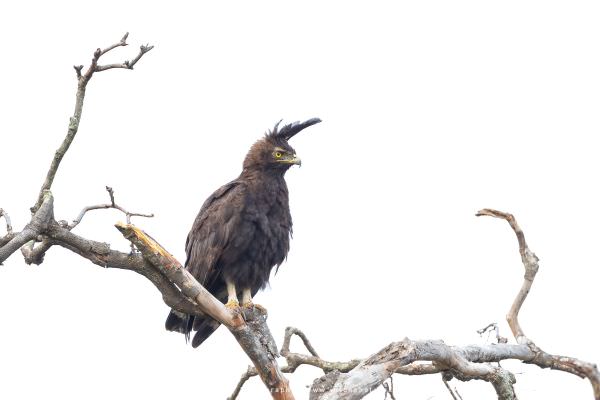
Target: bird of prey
[(242, 230)]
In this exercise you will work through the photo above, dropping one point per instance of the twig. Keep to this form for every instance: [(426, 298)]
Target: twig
[(122, 42), (10, 234), (493, 327), (78, 69), (9, 228), (454, 397), (34, 254), (289, 332), (112, 204), (245, 376), (389, 389), (82, 80), (126, 64)]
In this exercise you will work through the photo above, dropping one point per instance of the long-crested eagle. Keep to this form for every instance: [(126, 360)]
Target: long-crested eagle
[(242, 230)]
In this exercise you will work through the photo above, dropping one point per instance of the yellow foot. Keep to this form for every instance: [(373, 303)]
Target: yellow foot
[(232, 304), (250, 305)]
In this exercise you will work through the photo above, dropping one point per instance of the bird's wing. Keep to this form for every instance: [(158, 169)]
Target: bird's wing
[(219, 231)]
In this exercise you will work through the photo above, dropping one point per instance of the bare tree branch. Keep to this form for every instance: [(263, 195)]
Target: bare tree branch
[(10, 234), (289, 332), (112, 204), (126, 64), (172, 280), (38, 223), (4, 214), (294, 360), (34, 254), (493, 327), (389, 389), (83, 80), (455, 396), (7, 238), (542, 359), (122, 42), (530, 262), (464, 363), (250, 372)]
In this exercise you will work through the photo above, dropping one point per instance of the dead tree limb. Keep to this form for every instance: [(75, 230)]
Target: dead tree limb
[(541, 358), (82, 81), (357, 378), (470, 362), (530, 262)]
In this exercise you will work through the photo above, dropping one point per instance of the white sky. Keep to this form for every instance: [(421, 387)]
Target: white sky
[(431, 110)]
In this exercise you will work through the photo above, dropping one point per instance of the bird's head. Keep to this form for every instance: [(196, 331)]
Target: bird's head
[(273, 152)]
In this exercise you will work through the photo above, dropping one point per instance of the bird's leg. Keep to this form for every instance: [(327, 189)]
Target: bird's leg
[(247, 298), (232, 300), (247, 301)]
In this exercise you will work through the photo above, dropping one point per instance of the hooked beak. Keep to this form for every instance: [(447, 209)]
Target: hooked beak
[(294, 160)]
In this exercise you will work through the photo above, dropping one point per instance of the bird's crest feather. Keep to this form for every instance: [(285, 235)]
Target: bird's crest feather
[(288, 131)]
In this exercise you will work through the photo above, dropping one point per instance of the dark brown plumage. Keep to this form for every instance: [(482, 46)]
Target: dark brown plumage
[(242, 231)]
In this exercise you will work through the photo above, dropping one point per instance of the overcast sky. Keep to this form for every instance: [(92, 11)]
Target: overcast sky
[(431, 110)]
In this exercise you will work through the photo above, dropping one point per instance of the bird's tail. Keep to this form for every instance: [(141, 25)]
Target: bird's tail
[(184, 323), (180, 322), (204, 327)]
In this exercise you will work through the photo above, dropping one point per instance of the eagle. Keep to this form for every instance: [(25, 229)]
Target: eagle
[(242, 231)]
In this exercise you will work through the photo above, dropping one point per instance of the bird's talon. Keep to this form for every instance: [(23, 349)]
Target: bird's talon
[(260, 308), (253, 306), (232, 305), (248, 305)]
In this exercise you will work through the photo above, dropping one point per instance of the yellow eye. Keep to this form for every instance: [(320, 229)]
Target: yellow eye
[(277, 154)]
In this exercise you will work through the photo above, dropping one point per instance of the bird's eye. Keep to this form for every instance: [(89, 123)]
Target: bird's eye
[(277, 154)]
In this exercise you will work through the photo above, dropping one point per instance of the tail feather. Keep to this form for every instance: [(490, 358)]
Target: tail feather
[(180, 322), (204, 327), (184, 323)]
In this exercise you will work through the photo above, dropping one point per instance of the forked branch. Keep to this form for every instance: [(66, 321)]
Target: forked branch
[(357, 378), (112, 204), (82, 81)]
